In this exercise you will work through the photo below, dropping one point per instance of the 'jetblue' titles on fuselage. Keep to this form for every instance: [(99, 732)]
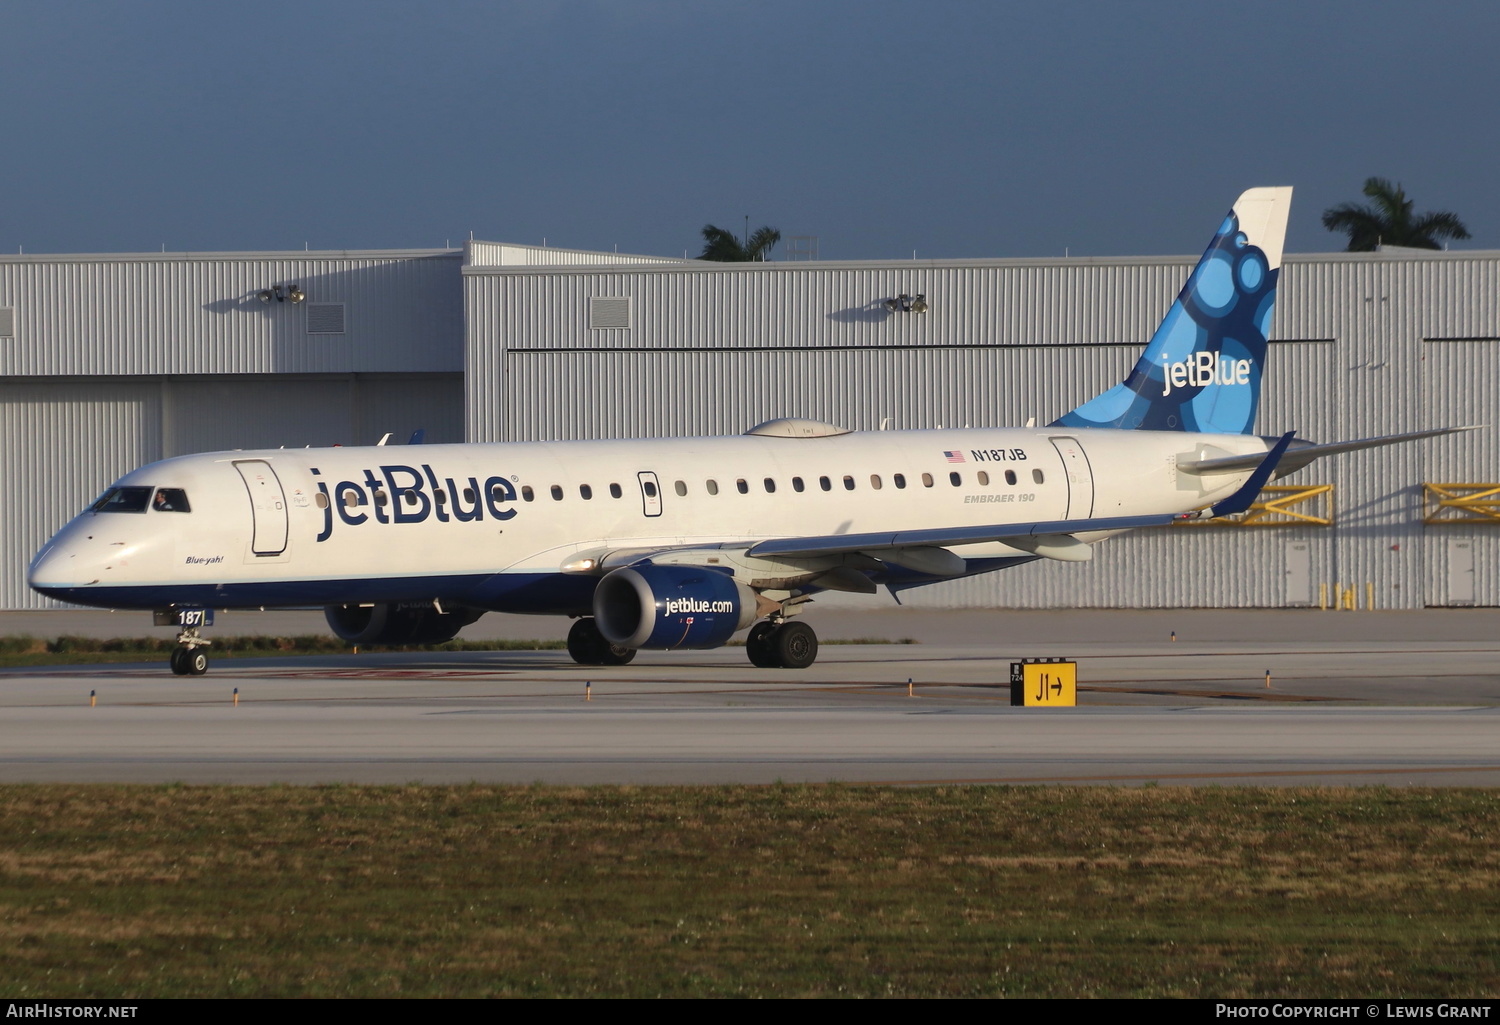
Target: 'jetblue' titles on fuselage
[(405, 494)]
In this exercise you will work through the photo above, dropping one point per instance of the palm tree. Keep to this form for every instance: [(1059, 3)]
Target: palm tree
[(721, 245), (1389, 221)]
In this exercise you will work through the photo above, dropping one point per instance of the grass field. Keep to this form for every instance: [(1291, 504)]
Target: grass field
[(783, 890)]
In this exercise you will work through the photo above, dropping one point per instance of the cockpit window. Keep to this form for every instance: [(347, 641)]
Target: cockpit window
[(131, 500), (172, 500)]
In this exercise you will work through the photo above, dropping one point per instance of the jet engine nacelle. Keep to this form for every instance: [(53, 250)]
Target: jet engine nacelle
[(398, 622), (671, 607)]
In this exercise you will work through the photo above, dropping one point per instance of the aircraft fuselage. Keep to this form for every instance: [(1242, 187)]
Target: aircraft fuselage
[(493, 526)]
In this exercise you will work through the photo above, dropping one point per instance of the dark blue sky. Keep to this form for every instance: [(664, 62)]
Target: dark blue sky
[(958, 129)]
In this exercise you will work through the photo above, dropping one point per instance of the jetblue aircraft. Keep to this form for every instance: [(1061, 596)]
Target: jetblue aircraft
[(682, 543)]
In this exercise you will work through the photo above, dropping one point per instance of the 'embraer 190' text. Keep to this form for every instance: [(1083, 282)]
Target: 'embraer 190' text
[(1202, 370), (406, 494)]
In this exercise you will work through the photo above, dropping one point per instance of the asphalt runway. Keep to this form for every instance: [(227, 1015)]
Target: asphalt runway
[(1342, 709)]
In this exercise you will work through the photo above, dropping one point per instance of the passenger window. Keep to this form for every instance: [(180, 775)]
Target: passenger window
[(681, 488), (955, 478), (585, 492), (927, 480), (875, 481), (770, 486), (711, 486), (649, 487), (441, 495), (1036, 475), (321, 500), (175, 500), (614, 491), (470, 497), (899, 479), (526, 493), (409, 497), (351, 498), (825, 483), (557, 493), (848, 483), (1010, 476), (381, 499), (797, 484), (983, 478), (741, 486)]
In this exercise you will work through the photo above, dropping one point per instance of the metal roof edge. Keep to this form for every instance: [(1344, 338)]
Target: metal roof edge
[(790, 266), (606, 258), (1414, 255), (289, 255)]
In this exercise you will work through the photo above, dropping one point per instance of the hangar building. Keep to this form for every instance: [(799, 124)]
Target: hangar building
[(108, 362)]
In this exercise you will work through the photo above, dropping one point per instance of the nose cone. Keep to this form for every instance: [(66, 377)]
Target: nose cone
[(67, 568), (54, 570)]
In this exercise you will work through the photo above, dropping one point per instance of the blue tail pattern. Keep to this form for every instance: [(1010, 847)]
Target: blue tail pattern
[(1202, 368)]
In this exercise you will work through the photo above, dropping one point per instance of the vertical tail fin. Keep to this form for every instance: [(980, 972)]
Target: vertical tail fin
[(1202, 368)]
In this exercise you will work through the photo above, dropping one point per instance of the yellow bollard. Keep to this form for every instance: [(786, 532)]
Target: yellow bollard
[(1323, 597), (588, 690), (1268, 679), (1174, 636), (1369, 596), (236, 697), (1349, 599), (91, 699)]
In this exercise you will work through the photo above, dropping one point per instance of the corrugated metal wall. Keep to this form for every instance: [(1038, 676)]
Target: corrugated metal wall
[(199, 314), (67, 439), (715, 349), (120, 360)]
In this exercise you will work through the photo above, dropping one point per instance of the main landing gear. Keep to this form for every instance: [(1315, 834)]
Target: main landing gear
[(189, 658), (589, 647), (788, 644)]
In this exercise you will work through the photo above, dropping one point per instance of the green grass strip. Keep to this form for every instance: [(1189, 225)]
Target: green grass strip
[(22, 650), (68, 650), (728, 891)]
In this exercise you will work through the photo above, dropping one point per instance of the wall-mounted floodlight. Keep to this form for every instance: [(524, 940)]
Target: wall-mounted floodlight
[(281, 293), (904, 303)]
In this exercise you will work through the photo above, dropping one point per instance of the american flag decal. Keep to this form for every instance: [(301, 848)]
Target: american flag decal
[(956, 456)]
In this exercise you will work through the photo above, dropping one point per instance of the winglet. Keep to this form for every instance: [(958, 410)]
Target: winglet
[(1245, 496)]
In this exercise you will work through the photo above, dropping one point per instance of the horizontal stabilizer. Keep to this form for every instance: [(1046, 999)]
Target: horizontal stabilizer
[(1242, 499), (1304, 453)]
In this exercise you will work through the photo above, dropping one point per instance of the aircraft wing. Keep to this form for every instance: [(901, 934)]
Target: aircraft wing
[(1054, 535), (1299, 457)]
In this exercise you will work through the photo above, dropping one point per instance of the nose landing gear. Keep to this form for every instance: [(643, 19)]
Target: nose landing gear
[(189, 658)]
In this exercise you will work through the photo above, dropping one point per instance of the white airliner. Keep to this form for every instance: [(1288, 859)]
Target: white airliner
[(681, 543)]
